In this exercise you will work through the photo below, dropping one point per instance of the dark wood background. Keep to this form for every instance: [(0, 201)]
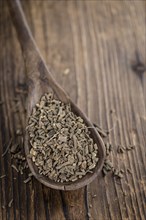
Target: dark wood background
[(99, 41)]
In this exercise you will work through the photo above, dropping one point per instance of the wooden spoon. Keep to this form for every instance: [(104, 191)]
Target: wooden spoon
[(40, 81)]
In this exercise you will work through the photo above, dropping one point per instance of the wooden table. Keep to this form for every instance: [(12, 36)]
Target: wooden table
[(97, 50)]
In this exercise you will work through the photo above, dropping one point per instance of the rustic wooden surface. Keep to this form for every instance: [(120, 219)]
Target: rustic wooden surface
[(99, 41)]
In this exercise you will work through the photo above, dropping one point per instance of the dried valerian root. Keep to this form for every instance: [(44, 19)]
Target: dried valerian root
[(108, 166), (27, 180), (61, 146), (7, 147), (118, 173), (108, 148), (19, 161), (10, 203), (129, 171), (3, 176), (121, 149), (130, 147)]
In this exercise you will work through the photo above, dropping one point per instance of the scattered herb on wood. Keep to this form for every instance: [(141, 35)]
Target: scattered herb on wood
[(118, 173), (139, 67), (130, 147), (66, 71), (1, 177), (129, 171), (10, 203), (15, 168), (94, 196), (19, 161), (7, 147), (18, 132), (108, 166), (15, 148), (124, 193), (121, 148), (61, 146), (108, 148), (27, 180)]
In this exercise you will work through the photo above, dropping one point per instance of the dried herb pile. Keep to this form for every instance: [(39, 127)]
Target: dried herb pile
[(61, 146)]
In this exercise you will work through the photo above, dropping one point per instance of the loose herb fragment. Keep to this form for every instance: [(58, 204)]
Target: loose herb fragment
[(130, 147), (1, 177), (129, 171), (10, 203), (7, 148), (18, 132), (66, 71), (108, 166), (27, 180), (108, 147), (94, 196), (15, 168), (121, 149), (118, 173), (61, 146), (19, 161), (14, 148)]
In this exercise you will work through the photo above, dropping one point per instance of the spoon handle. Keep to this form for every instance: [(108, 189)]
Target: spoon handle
[(39, 75), (31, 54), (23, 32)]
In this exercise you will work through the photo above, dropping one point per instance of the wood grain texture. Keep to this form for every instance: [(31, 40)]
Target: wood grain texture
[(98, 41)]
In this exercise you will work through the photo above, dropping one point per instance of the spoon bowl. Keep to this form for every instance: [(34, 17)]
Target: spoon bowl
[(40, 82)]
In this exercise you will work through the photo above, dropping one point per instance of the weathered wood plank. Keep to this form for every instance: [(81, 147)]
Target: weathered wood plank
[(98, 41)]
